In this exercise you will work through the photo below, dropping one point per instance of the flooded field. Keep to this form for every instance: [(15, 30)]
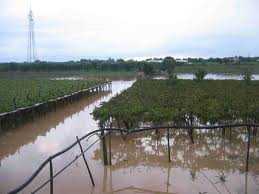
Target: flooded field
[(213, 164), (140, 165), (22, 150)]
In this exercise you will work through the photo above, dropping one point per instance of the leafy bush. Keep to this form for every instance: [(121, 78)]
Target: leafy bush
[(148, 69), (172, 79), (247, 76), (169, 64), (200, 75)]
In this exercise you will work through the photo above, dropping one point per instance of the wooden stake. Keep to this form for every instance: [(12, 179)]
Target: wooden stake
[(110, 149), (190, 132), (105, 160), (248, 147), (168, 146)]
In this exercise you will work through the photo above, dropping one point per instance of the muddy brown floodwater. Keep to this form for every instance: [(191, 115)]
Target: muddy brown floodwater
[(212, 164)]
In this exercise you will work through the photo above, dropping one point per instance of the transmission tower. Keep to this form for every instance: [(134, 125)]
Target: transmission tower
[(31, 50)]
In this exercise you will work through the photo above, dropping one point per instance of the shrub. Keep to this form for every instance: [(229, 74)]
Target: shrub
[(200, 75), (172, 79), (148, 69), (247, 76), (169, 65)]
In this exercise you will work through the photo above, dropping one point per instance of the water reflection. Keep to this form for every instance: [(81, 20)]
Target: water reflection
[(12, 140), (213, 164), (22, 150)]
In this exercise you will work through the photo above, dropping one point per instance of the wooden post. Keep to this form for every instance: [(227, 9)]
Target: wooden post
[(192, 135), (14, 103), (190, 132), (110, 149), (223, 132), (105, 160), (230, 133), (168, 146), (51, 176), (248, 147), (255, 132), (82, 152)]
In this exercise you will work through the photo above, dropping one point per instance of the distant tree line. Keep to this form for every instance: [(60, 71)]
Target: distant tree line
[(166, 64), (82, 65), (225, 60)]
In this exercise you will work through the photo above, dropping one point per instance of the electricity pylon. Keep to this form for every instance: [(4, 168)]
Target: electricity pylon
[(31, 50)]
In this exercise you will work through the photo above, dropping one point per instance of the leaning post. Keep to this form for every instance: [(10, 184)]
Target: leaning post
[(82, 152)]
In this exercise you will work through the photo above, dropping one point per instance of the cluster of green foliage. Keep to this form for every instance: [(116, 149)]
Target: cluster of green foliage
[(200, 75), (167, 65), (184, 102), (21, 93), (247, 76), (148, 69)]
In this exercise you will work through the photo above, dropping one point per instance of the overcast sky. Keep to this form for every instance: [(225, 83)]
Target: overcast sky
[(74, 29)]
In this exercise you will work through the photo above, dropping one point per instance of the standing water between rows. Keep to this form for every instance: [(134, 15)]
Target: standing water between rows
[(22, 150), (213, 164)]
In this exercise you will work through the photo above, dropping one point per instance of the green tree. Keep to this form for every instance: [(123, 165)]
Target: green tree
[(200, 75), (169, 65), (247, 76), (148, 69)]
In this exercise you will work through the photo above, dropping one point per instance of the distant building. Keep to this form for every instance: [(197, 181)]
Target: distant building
[(182, 60), (154, 60), (160, 60)]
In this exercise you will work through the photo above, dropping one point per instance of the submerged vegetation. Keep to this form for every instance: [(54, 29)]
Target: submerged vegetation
[(184, 102), (20, 93)]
